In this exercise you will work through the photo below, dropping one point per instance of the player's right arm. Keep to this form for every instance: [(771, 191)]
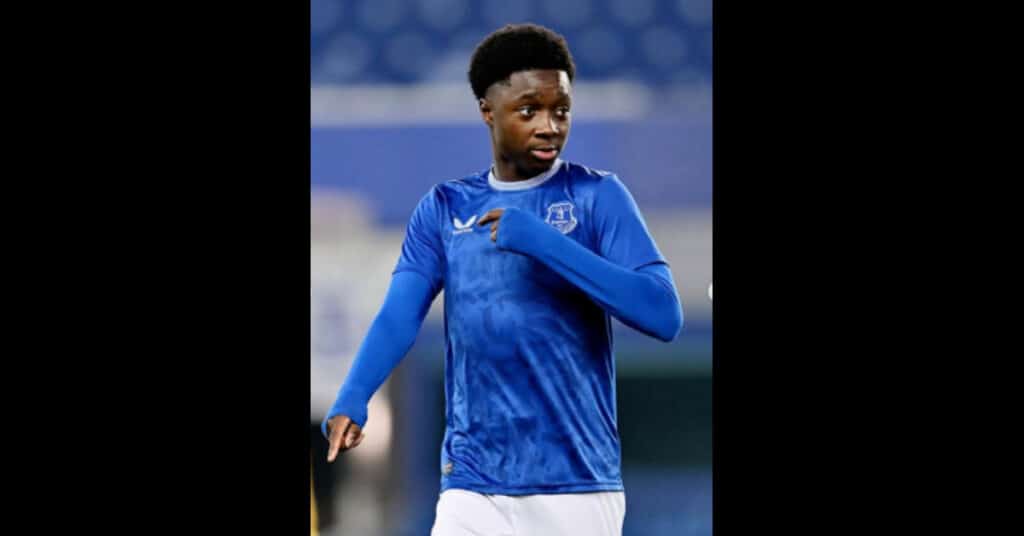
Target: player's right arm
[(390, 337), (417, 280)]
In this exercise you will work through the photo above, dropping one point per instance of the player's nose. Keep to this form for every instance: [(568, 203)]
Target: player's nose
[(548, 126), (552, 126), (548, 131)]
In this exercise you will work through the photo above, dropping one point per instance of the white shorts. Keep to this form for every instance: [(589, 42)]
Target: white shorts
[(467, 513)]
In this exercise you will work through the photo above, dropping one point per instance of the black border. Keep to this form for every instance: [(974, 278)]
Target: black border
[(191, 377), (799, 344)]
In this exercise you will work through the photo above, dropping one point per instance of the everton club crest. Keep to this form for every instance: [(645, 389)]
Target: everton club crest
[(561, 217)]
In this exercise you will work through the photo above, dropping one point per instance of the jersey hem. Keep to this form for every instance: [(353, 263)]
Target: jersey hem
[(533, 490)]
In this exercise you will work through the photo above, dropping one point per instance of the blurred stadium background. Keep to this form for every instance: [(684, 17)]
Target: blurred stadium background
[(391, 115)]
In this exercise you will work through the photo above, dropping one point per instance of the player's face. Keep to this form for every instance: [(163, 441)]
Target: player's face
[(529, 120)]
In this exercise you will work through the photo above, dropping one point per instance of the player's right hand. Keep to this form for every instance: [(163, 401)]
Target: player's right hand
[(344, 435)]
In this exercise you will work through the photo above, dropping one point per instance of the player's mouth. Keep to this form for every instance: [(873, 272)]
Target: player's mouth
[(545, 152)]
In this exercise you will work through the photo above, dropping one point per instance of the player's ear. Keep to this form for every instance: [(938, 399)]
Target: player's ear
[(486, 112)]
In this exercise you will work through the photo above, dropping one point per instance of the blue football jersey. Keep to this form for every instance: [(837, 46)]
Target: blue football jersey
[(529, 368)]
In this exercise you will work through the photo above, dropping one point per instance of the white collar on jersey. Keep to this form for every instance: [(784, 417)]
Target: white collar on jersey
[(532, 182)]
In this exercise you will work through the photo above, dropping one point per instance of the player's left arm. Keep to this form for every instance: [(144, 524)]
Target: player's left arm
[(642, 296)]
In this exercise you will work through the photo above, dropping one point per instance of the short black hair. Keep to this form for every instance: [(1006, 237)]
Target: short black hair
[(514, 48)]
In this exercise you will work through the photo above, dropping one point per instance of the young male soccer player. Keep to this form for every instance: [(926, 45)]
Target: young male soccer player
[(534, 254)]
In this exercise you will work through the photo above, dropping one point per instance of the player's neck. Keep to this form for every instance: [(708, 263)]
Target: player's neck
[(522, 183), (506, 171)]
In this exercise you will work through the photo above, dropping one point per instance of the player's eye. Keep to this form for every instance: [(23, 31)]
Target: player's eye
[(525, 111), (562, 111)]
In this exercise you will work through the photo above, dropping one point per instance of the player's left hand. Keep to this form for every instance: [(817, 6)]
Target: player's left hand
[(493, 215)]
